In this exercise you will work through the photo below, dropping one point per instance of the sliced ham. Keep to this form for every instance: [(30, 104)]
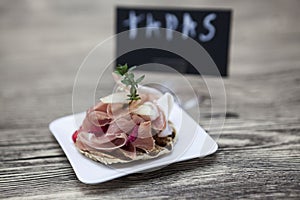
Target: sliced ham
[(137, 119), (106, 142), (87, 126), (144, 138), (117, 110), (100, 107), (160, 122), (121, 125), (98, 118)]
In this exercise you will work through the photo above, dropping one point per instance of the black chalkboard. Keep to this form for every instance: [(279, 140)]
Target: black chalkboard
[(209, 27)]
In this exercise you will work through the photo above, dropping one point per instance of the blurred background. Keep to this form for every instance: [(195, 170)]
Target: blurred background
[(42, 44)]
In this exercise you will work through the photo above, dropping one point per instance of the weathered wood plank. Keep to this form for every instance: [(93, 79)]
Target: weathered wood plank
[(238, 169), (260, 163)]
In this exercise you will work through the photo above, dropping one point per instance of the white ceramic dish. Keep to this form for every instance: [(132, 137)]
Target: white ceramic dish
[(192, 142)]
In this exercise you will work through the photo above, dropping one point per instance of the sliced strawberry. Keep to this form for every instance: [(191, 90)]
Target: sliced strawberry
[(74, 136)]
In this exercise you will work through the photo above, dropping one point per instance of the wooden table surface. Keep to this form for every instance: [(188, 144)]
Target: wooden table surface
[(42, 44)]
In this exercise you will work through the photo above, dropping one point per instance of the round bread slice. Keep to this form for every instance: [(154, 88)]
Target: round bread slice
[(163, 145)]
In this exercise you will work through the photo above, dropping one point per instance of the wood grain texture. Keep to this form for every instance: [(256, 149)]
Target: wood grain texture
[(42, 43)]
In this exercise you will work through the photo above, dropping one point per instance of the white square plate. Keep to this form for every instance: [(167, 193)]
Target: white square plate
[(192, 142)]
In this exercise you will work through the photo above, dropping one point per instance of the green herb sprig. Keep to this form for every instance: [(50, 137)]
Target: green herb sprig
[(128, 80)]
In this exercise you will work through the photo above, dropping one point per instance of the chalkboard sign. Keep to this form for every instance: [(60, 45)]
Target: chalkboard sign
[(210, 28)]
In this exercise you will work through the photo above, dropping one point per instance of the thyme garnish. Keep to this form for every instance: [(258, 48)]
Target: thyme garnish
[(128, 80)]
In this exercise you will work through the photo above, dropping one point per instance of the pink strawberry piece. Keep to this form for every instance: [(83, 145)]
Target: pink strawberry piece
[(74, 136)]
